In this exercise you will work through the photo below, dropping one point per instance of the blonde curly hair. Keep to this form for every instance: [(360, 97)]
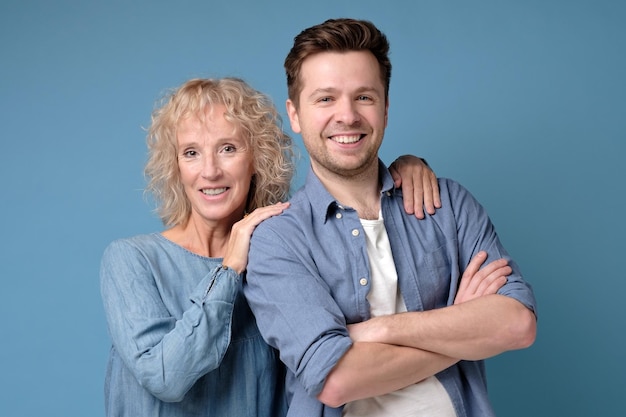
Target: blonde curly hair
[(255, 116)]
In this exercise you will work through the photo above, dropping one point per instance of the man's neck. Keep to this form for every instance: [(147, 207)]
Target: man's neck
[(361, 192)]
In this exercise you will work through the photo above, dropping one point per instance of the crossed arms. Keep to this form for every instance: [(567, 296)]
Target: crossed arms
[(299, 287), (411, 346)]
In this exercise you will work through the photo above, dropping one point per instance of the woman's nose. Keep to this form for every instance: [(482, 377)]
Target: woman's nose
[(210, 166)]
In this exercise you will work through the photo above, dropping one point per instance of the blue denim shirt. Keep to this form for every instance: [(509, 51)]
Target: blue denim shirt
[(308, 277), (185, 342)]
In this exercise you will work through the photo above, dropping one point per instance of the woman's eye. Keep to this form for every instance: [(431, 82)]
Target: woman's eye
[(190, 153), (229, 148)]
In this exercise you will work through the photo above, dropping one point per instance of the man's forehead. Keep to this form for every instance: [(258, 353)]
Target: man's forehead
[(337, 70)]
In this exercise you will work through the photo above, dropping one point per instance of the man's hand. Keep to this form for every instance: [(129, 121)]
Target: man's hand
[(419, 185), (477, 282)]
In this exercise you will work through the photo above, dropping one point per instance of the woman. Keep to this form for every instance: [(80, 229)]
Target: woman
[(184, 340)]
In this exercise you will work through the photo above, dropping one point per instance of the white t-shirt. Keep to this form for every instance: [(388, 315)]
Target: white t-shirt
[(427, 397)]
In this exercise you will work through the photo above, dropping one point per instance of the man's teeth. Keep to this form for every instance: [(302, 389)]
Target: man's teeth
[(346, 139), (213, 191)]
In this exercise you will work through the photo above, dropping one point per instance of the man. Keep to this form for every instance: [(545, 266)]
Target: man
[(368, 306)]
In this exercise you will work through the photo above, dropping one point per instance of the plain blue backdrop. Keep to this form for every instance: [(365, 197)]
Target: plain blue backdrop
[(524, 102)]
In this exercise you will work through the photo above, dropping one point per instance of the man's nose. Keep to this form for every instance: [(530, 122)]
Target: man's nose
[(347, 112)]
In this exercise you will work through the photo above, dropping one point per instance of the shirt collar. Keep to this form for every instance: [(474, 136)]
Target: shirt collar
[(324, 204)]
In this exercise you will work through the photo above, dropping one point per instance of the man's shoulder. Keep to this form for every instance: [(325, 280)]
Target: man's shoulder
[(298, 214), (449, 183), (453, 189)]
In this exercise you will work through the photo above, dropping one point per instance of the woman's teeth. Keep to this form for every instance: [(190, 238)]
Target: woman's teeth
[(213, 191)]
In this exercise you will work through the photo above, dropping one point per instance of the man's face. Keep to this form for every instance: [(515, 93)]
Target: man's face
[(342, 112)]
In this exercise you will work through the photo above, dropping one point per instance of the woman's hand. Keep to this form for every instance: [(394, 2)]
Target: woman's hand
[(239, 242), (419, 185)]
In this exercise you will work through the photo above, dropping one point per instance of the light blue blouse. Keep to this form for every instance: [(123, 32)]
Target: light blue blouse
[(185, 342)]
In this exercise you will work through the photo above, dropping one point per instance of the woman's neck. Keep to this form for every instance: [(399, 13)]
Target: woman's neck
[(201, 238)]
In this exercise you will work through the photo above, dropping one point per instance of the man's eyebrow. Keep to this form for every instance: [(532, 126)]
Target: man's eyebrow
[(366, 89), (326, 90), (323, 90)]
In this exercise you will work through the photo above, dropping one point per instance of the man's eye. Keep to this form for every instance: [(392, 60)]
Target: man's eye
[(364, 98)]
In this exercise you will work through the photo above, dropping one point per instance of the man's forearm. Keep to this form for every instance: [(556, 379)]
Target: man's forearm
[(371, 369), (473, 330)]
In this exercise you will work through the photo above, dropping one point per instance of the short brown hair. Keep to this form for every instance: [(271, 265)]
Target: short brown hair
[(255, 116), (336, 35)]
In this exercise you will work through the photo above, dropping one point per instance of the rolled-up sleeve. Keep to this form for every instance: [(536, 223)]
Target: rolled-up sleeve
[(476, 232), (294, 307)]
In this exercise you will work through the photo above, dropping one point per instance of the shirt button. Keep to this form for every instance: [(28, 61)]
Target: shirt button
[(355, 232), (338, 215), (363, 281)]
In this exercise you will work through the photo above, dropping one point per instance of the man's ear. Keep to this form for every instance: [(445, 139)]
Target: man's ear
[(386, 111), (292, 112)]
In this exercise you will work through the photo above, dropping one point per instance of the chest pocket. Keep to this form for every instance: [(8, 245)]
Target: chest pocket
[(434, 276)]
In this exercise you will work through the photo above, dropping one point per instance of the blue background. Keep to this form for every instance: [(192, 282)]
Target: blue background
[(524, 102)]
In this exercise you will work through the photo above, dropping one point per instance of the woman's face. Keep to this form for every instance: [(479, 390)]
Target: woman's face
[(216, 166)]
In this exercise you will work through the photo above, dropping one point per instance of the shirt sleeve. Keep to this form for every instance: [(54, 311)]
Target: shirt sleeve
[(476, 232), (165, 354), (294, 307)]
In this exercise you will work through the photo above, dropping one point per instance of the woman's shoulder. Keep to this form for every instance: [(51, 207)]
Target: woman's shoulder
[(139, 246), (142, 241)]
